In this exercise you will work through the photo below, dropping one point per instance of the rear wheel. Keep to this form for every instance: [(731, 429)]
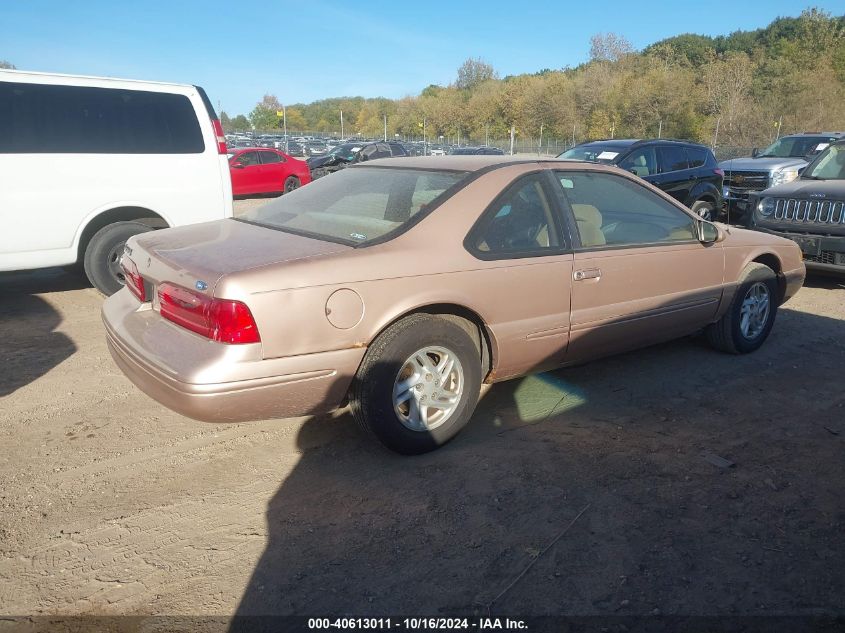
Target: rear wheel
[(418, 384), (705, 210), (747, 323), (103, 253), (291, 183)]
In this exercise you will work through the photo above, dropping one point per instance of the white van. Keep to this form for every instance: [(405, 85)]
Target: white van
[(87, 162)]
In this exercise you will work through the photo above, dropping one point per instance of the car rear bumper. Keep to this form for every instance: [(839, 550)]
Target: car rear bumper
[(215, 382)]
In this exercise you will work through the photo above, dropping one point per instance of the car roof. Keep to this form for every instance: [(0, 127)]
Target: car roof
[(634, 142), (801, 134), (257, 149), (464, 162)]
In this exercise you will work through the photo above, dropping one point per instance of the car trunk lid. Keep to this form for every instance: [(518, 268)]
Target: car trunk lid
[(199, 255)]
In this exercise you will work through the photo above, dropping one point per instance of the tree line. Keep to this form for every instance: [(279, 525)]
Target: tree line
[(740, 89)]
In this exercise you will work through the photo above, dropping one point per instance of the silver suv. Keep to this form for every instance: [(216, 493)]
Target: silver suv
[(779, 163)]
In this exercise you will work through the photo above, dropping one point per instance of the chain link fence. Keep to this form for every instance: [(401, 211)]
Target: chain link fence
[(522, 145)]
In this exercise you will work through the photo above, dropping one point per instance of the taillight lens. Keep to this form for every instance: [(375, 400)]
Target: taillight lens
[(221, 138), (719, 172), (221, 320), (134, 281)]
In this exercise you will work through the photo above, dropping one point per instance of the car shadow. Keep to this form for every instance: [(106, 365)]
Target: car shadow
[(594, 479), (28, 323)]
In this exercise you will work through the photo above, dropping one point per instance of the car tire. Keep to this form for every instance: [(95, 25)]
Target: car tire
[(745, 326), (103, 253), (291, 183), (418, 384), (705, 210)]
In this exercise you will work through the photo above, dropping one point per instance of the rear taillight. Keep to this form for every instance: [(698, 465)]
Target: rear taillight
[(719, 172), (134, 281), (221, 138), (221, 320)]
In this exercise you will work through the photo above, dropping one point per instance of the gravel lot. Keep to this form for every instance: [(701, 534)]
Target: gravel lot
[(112, 504)]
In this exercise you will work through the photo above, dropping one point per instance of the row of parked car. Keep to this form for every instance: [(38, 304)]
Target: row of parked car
[(309, 146), (140, 156), (811, 202)]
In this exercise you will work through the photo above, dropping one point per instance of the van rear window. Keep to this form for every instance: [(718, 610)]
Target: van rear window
[(49, 119)]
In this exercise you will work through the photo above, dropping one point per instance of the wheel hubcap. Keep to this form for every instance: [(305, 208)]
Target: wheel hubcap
[(754, 312), (114, 263), (705, 213), (428, 388)]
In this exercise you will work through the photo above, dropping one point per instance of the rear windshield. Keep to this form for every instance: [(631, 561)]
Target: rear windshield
[(595, 152), (355, 205), (42, 118)]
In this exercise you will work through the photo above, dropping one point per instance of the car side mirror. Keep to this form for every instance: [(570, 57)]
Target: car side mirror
[(801, 170), (237, 165), (755, 152), (708, 233)]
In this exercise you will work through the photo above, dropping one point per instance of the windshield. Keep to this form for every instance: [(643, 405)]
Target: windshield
[(829, 165), (356, 205), (346, 152), (602, 153), (795, 146)]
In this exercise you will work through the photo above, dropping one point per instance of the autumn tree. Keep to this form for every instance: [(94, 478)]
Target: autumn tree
[(473, 72)]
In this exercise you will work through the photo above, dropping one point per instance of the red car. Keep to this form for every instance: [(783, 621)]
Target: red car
[(264, 170)]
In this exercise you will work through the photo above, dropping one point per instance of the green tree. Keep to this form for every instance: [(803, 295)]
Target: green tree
[(263, 116), (240, 124)]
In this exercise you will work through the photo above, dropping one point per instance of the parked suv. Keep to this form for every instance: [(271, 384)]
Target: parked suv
[(350, 153), (809, 210), (686, 171), (89, 162), (779, 163)]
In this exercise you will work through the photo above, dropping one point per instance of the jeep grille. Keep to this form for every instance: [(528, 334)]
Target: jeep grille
[(810, 211)]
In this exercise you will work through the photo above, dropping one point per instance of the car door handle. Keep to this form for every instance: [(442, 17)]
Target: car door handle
[(587, 273)]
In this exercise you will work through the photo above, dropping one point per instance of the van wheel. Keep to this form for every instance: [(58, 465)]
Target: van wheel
[(291, 183), (705, 210), (747, 323), (418, 384), (103, 253)]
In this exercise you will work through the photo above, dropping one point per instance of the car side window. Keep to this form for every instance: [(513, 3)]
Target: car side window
[(368, 152), (248, 159), (520, 221), (672, 158), (268, 158), (697, 156), (642, 162), (610, 210)]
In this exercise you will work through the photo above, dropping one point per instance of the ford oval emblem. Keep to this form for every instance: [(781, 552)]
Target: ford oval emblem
[(201, 285)]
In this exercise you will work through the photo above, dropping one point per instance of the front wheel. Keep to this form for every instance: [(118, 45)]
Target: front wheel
[(748, 321), (103, 253), (705, 210), (418, 384), (291, 183)]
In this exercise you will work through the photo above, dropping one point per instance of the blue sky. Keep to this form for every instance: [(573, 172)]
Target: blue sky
[(311, 49)]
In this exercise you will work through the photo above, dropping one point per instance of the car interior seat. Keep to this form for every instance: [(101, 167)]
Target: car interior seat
[(589, 222), (640, 167)]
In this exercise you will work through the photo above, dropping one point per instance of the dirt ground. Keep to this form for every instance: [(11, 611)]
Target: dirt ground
[(111, 504)]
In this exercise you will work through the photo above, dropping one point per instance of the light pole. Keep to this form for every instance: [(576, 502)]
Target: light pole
[(385, 127), (341, 124)]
